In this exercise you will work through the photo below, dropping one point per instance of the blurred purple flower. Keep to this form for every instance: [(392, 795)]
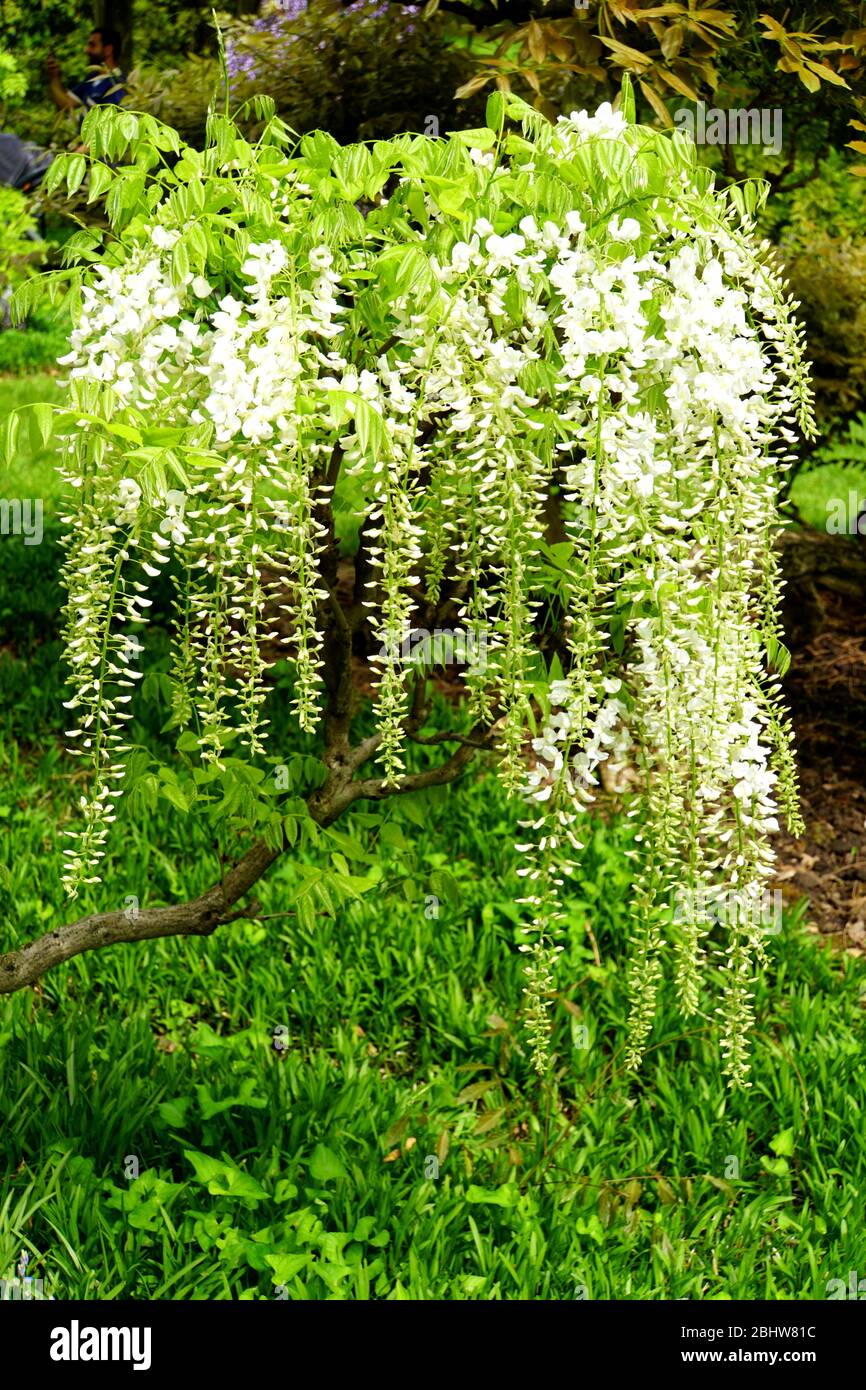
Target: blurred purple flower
[(278, 15)]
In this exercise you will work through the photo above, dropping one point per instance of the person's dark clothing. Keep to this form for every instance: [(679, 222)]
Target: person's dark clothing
[(102, 89), (22, 164)]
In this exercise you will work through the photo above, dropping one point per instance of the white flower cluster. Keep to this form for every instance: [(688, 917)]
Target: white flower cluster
[(570, 751), (128, 501), (124, 336)]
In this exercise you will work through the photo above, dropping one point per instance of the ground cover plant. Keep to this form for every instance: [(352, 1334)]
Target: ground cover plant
[(400, 1145)]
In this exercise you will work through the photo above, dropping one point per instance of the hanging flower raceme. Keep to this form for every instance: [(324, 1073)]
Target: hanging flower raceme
[(566, 324)]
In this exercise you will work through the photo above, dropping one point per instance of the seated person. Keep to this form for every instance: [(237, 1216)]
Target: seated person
[(103, 88), (22, 164)]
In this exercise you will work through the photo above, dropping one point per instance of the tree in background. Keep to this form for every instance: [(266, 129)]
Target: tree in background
[(375, 66), (29, 33), (161, 33), (361, 70), (559, 54)]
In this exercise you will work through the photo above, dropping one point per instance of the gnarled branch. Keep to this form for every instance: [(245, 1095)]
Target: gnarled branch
[(201, 916)]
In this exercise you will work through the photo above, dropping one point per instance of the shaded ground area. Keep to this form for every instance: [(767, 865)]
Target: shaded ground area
[(826, 688)]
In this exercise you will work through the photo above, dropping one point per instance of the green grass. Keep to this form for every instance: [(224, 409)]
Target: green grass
[(32, 472), (35, 346), (405, 1042), (30, 593), (830, 495)]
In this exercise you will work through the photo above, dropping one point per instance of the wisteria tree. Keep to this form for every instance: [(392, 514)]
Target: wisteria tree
[(530, 379)]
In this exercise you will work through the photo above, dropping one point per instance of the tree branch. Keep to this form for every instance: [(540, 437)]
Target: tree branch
[(201, 916), (373, 789)]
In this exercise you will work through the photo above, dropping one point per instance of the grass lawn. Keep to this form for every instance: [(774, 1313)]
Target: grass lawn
[(400, 1145), (32, 473)]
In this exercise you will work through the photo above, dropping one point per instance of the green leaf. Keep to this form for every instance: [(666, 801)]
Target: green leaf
[(173, 1112), (405, 270), (11, 429), (76, 168), (444, 886), (171, 792), (224, 1179), (246, 1098), (495, 110), (479, 138), (127, 124), (626, 99), (285, 1267), (179, 261), (306, 913), (505, 1196), (778, 655), (44, 416), (352, 848), (415, 809), (783, 1143), (590, 1226), (101, 178), (369, 426), (195, 191), (352, 167), (325, 1166), (196, 241), (450, 194), (113, 427), (54, 176), (392, 835), (779, 1167), (264, 107), (320, 149), (410, 890)]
